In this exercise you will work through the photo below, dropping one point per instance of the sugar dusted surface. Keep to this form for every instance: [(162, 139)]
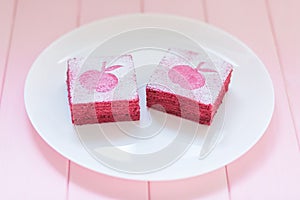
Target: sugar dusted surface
[(214, 81), (121, 78)]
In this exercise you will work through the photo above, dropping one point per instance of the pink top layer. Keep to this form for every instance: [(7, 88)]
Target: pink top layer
[(102, 79), (192, 75)]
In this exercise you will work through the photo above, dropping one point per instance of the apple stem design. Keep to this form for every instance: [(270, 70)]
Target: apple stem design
[(103, 66), (200, 65), (111, 68), (199, 68), (101, 81)]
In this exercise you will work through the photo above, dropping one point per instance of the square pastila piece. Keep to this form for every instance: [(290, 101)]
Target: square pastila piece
[(100, 93), (189, 85)]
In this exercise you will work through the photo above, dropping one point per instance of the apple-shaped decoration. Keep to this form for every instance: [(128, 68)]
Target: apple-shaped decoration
[(187, 77), (101, 81)]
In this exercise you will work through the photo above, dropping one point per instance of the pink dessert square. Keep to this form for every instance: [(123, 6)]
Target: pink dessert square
[(103, 92), (189, 85)]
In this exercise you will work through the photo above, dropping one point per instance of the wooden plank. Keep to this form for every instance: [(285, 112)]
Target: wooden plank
[(30, 169), (189, 8), (209, 186), (271, 169), (7, 9), (85, 184), (97, 9), (284, 17)]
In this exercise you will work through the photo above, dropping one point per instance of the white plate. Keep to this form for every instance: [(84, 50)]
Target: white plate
[(248, 106)]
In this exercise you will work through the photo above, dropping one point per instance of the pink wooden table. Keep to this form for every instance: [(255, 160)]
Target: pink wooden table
[(30, 169)]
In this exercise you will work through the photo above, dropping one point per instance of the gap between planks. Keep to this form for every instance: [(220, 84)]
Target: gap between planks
[(12, 27)]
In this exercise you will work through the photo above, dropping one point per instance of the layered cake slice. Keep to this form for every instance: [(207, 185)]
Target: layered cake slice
[(104, 91), (189, 85)]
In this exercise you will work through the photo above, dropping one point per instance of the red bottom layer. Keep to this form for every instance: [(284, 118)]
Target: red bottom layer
[(100, 112), (179, 106), (185, 107)]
